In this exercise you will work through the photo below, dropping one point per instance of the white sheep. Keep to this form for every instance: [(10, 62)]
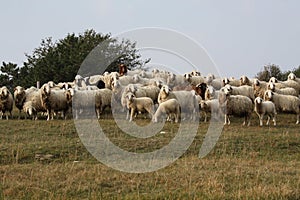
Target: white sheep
[(141, 104), (102, 100), (33, 103), (82, 101), (231, 81), (212, 81), (187, 100), (211, 93), (293, 77), (288, 83), (193, 80), (54, 100), (243, 90), (285, 91), (6, 101), (263, 108), (244, 80), (237, 105), (210, 106), (259, 88), (19, 97), (170, 107), (284, 103)]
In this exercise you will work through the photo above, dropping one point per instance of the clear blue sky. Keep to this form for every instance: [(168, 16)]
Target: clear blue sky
[(240, 36)]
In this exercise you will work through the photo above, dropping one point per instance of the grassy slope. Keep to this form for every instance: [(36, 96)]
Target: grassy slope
[(40, 159)]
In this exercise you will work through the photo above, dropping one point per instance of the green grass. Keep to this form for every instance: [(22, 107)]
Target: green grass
[(46, 160)]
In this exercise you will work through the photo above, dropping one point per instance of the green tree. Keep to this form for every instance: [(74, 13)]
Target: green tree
[(270, 70), (9, 75), (90, 52)]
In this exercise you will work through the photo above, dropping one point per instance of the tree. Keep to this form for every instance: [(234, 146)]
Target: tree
[(9, 75), (90, 52), (270, 70)]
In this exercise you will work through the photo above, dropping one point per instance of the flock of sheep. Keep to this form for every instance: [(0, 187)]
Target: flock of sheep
[(162, 94)]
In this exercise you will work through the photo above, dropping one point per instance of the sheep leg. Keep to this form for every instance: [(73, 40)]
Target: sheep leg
[(261, 118), (48, 114), (132, 114), (297, 122), (274, 119), (268, 121)]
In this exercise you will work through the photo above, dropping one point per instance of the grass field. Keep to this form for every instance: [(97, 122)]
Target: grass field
[(46, 160)]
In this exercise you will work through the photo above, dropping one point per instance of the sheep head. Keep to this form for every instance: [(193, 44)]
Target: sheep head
[(4, 92), (268, 96), (271, 86), (165, 89), (244, 80), (273, 80), (291, 76), (258, 101)]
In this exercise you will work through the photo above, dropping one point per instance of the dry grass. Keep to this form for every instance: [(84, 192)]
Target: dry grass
[(46, 160)]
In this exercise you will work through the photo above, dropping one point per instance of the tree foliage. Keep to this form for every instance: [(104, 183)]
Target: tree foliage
[(273, 70), (60, 61)]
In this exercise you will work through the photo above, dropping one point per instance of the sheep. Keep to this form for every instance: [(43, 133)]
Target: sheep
[(262, 108), (293, 77), (140, 104), (175, 80), (209, 106), (33, 103), (243, 90), (284, 103), (211, 93), (187, 99), (285, 91), (169, 107), (79, 81), (195, 73), (140, 80), (6, 101), (194, 80), (102, 100), (19, 96), (235, 105), (288, 83), (82, 101), (126, 80), (54, 100), (231, 82), (212, 81), (259, 88), (244, 80)]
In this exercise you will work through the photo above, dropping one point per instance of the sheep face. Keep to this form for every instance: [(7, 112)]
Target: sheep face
[(271, 86), (291, 76), (165, 89), (273, 80), (225, 81), (268, 96), (187, 76), (46, 89), (258, 101), (130, 96), (4, 92), (256, 82), (244, 80), (195, 73)]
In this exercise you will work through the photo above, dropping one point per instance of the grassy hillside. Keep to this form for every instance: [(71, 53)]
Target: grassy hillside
[(40, 159)]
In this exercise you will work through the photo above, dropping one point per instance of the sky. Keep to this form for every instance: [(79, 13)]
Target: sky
[(239, 36)]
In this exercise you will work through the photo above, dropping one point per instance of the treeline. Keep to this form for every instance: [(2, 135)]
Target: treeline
[(61, 60), (272, 70)]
